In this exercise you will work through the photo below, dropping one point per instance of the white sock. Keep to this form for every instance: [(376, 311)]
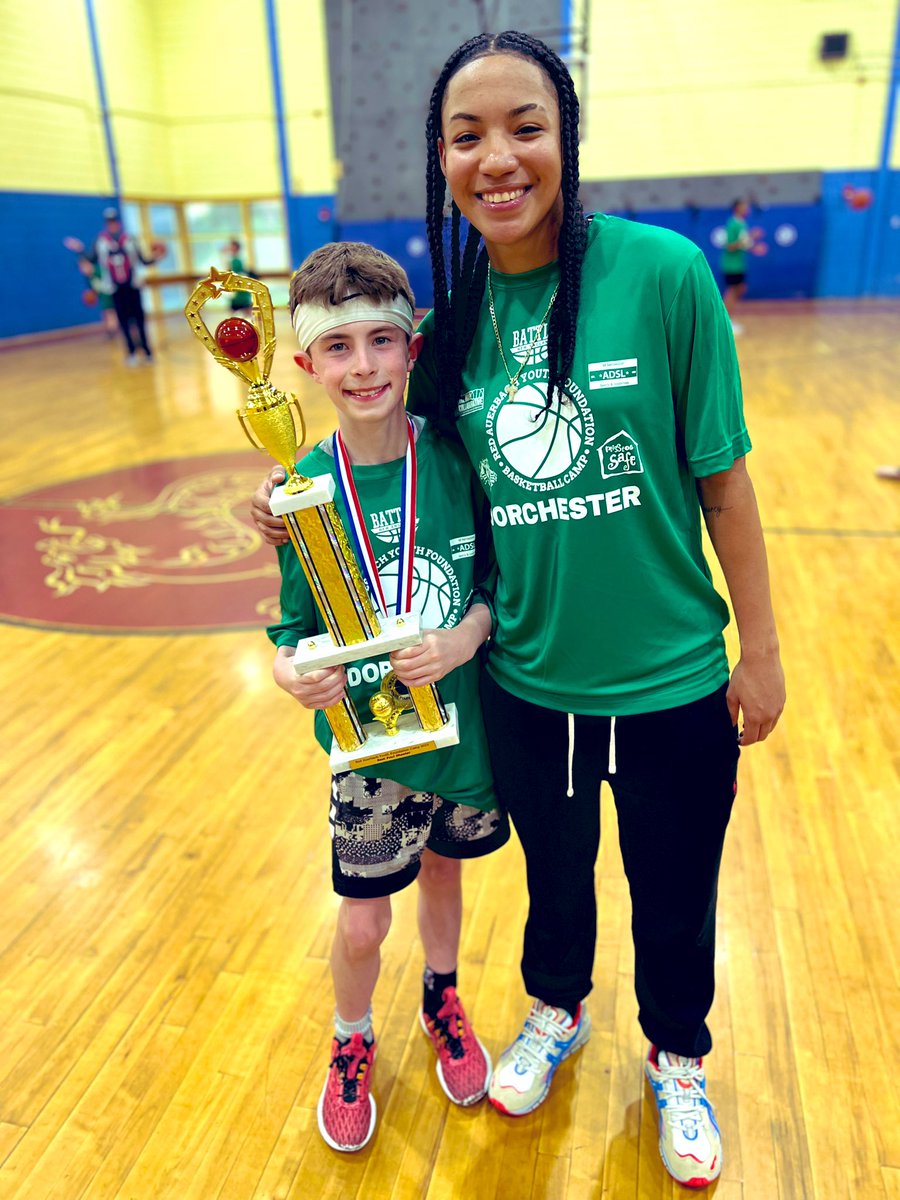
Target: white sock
[(344, 1030)]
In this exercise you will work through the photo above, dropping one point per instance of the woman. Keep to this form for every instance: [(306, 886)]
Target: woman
[(588, 367)]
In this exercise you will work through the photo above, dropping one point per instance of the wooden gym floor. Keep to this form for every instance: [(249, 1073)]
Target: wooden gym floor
[(164, 886)]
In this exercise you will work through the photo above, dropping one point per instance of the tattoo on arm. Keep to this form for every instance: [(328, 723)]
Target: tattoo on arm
[(715, 510)]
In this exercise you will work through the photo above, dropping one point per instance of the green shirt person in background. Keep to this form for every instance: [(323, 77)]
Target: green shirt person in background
[(738, 241), (239, 300)]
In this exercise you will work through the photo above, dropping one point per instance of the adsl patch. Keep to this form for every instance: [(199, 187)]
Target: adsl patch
[(618, 372)]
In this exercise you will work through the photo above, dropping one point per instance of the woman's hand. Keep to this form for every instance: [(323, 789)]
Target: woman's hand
[(756, 693)]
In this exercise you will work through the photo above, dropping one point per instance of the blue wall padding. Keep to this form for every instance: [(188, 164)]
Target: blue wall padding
[(45, 284), (845, 235), (403, 240), (786, 272), (825, 259), (311, 223), (887, 279)]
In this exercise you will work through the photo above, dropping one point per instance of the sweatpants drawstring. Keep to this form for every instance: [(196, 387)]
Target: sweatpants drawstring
[(570, 791), (611, 767)]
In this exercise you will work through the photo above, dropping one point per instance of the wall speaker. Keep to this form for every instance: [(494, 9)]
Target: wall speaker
[(833, 46)]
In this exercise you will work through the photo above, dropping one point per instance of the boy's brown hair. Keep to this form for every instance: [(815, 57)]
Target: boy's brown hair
[(336, 272)]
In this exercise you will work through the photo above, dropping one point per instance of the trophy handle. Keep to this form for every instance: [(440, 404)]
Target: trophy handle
[(301, 432), (246, 428)]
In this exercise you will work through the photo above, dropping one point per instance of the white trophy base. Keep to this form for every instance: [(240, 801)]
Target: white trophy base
[(380, 747), (320, 651), (321, 492)]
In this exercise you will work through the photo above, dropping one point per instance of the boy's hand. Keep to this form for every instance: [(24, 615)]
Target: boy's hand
[(318, 689), (441, 651), (271, 528)]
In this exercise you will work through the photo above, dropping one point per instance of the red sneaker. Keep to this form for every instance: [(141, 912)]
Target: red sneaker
[(346, 1110), (463, 1065)]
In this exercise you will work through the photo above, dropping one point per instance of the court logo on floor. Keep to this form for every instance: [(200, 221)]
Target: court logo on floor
[(159, 547)]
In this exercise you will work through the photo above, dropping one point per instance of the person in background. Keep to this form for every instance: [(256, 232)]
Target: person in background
[(739, 241), (240, 301), (118, 258)]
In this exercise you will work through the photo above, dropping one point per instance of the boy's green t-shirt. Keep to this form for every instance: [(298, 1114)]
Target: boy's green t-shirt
[(604, 601), (445, 583)]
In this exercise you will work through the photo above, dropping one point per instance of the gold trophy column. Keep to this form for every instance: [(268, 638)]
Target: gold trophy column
[(270, 420)]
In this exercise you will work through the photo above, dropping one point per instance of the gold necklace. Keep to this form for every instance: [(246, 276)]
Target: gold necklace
[(511, 387)]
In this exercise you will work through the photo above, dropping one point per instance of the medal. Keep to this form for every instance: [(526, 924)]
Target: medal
[(360, 535)]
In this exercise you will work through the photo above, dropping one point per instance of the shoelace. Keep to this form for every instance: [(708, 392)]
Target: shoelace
[(682, 1102), (351, 1067), (450, 1029), (531, 1045)]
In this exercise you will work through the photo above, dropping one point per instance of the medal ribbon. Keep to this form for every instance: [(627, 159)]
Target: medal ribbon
[(360, 535)]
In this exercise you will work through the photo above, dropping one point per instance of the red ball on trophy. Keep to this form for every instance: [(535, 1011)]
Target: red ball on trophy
[(237, 338)]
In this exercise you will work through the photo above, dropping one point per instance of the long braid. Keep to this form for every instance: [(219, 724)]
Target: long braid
[(456, 319), (455, 220), (449, 354)]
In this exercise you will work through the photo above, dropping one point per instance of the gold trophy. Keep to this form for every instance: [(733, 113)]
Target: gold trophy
[(407, 721)]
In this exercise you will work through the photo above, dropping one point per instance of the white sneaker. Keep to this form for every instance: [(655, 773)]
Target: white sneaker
[(689, 1140), (131, 360), (522, 1077)]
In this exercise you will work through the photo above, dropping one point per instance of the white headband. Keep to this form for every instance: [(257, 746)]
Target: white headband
[(312, 320)]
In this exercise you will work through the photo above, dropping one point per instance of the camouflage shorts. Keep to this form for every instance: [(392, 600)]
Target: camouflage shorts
[(379, 829)]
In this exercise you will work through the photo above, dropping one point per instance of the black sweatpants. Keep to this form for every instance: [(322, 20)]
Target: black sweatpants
[(674, 780), (128, 306)]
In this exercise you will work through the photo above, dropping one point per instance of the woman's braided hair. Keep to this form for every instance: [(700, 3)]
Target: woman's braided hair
[(456, 314)]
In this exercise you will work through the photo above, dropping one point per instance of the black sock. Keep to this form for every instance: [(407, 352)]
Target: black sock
[(433, 988)]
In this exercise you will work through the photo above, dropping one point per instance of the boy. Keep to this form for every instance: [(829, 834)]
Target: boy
[(352, 309)]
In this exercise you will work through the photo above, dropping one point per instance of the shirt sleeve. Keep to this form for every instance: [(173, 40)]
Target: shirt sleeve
[(706, 381), (298, 609), (485, 568), (421, 396)]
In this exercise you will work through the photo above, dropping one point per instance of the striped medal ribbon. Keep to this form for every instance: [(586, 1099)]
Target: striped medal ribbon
[(360, 535)]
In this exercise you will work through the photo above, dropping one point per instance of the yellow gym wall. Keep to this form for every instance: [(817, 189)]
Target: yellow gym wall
[(699, 87), (306, 95), (52, 130), (190, 92), (673, 88)]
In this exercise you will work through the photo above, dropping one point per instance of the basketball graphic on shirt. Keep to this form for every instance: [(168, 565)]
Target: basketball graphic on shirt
[(435, 589), (539, 441)]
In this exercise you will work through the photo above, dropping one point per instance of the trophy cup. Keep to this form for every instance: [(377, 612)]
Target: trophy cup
[(407, 720)]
